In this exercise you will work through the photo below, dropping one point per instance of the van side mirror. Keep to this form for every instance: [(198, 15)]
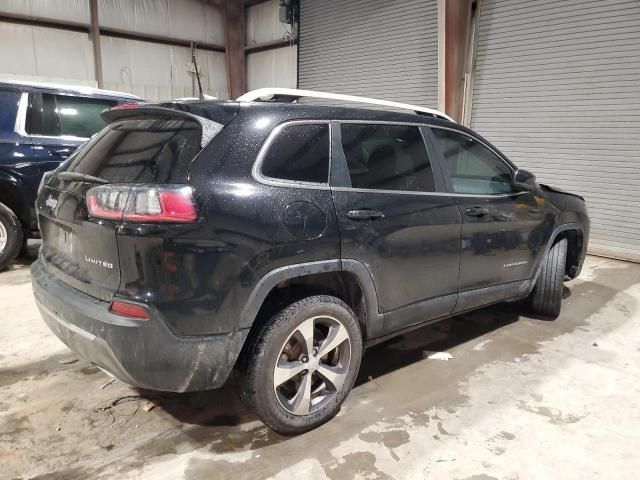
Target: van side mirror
[(524, 180)]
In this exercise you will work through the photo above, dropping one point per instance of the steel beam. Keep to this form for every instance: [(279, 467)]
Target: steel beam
[(95, 42), (234, 47), (105, 31)]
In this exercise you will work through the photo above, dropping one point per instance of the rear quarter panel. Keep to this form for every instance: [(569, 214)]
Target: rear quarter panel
[(200, 277)]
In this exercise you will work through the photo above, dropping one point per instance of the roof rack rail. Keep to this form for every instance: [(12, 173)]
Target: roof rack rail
[(292, 94)]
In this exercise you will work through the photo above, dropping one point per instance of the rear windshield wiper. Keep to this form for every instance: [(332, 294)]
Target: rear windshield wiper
[(81, 177)]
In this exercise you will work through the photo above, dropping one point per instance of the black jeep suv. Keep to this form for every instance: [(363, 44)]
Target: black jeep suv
[(190, 239)]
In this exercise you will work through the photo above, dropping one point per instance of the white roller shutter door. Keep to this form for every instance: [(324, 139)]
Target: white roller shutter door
[(557, 89), (373, 48)]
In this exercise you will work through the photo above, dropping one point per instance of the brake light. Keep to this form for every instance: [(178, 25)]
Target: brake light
[(125, 106), (142, 203), (129, 310)]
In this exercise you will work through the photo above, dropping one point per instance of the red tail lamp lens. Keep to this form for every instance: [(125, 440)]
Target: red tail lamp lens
[(129, 310), (142, 203)]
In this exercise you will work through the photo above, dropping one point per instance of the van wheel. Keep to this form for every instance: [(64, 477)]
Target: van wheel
[(303, 365), (10, 236), (546, 298)]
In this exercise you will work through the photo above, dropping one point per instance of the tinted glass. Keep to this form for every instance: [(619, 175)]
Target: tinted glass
[(55, 115), (41, 115), (473, 168), (8, 110), (387, 157), (141, 151), (80, 116), (300, 153)]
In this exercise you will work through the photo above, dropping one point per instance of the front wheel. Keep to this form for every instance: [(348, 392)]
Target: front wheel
[(10, 236), (303, 365), (546, 298)]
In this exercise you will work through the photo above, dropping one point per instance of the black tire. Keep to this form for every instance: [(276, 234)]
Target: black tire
[(546, 298), (256, 377), (11, 227)]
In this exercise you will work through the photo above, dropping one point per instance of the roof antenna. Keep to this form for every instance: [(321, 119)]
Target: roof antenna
[(195, 66)]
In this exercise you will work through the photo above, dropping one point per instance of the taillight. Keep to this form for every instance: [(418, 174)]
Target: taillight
[(142, 203), (129, 310)]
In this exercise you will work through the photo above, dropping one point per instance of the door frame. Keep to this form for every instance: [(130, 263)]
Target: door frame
[(340, 181)]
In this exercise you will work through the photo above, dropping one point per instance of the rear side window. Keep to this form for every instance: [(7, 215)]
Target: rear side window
[(299, 153), (8, 110), (387, 157), (55, 115), (153, 150)]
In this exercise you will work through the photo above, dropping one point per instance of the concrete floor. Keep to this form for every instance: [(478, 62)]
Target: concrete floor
[(521, 398)]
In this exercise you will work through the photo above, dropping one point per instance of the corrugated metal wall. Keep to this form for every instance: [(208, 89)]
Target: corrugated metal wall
[(373, 48), (557, 88), (153, 71), (270, 68)]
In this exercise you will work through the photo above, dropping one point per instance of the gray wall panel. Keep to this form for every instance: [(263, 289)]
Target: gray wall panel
[(557, 89), (373, 48)]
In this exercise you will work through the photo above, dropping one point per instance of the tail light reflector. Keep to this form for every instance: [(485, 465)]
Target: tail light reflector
[(129, 310), (142, 203)]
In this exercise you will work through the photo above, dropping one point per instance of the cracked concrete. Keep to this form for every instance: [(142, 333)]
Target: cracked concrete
[(521, 398)]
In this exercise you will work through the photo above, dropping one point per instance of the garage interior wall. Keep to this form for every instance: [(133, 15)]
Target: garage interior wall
[(557, 89), (276, 67), (373, 48), (151, 70)]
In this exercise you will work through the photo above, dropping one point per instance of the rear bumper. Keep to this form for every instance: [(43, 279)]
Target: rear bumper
[(141, 353)]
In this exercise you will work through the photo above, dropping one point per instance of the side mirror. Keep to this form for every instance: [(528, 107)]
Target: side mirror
[(524, 180)]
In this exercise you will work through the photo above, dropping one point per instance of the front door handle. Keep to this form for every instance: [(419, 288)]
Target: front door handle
[(476, 212), (365, 214)]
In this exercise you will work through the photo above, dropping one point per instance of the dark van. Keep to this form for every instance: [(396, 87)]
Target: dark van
[(40, 125)]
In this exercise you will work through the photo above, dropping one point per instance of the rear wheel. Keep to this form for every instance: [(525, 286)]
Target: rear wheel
[(546, 298), (303, 365), (10, 236)]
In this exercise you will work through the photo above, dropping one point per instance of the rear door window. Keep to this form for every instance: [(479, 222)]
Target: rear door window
[(8, 110), (41, 116), (66, 115), (147, 150), (387, 157), (299, 153)]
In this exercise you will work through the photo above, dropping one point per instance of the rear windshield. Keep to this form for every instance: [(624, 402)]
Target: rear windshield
[(141, 151)]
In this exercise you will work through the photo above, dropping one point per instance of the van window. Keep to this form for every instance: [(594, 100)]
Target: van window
[(299, 153), (55, 115), (387, 157), (8, 110)]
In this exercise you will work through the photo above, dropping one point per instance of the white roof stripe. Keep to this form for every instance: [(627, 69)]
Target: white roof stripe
[(267, 93)]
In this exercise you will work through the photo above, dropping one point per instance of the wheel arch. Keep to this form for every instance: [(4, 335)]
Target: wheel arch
[(348, 280), (576, 249), (12, 197)]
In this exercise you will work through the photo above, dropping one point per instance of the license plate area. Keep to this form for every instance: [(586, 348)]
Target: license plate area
[(63, 241)]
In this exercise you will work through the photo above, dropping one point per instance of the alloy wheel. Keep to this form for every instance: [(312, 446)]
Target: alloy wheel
[(312, 365), (4, 237)]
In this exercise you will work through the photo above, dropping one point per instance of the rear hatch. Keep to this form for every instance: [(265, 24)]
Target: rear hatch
[(144, 150)]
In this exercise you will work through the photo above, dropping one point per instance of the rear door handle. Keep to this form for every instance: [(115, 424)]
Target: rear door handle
[(365, 214), (476, 212)]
